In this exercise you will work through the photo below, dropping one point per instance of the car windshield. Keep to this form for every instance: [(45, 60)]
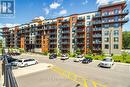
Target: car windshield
[(107, 60)]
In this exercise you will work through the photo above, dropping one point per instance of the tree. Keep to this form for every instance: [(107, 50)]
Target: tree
[(78, 51), (126, 40)]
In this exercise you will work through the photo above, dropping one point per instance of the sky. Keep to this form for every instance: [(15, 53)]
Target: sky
[(26, 10)]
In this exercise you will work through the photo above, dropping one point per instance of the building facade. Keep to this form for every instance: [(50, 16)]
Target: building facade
[(97, 32)]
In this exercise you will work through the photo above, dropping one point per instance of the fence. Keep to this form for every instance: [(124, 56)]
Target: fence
[(8, 79), (78, 79)]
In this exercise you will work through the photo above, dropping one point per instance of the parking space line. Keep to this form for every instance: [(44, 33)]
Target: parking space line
[(74, 77)]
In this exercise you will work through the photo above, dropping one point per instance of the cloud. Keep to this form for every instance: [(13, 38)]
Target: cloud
[(40, 17), (54, 5), (46, 11), (101, 2), (62, 12), (8, 25), (85, 2)]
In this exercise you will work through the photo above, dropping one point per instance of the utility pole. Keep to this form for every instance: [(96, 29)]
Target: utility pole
[(110, 42)]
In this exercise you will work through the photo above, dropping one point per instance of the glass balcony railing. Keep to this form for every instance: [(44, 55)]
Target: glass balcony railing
[(97, 35), (80, 30), (64, 37), (65, 26), (80, 24), (52, 42), (65, 42), (81, 18), (97, 22), (65, 20), (97, 29), (67, 31), (80, 36)]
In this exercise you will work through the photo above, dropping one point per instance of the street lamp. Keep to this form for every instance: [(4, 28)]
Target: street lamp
[(110, 42)]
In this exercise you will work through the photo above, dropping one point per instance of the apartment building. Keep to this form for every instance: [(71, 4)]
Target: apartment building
[(97, 31)]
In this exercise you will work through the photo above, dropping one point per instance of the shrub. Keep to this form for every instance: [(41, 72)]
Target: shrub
[(118, 58), (21, 50), (78, 51), (72, 55), (98, 57), (127, 59), (88, 56), (45, 53)]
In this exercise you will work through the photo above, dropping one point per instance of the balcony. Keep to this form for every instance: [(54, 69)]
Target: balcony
[(97, 15), (80, 30), (97, 35), (97, 29), (53, 38), (53, 43), (52, 33), (65, 26), (112, 13), (65, 37), (97, 42), (97, 22), (125, 12), (80, 36), (52, 27), (65, 31), (80, 43), (67, 48), (65, 42), (120, 20), (66, 20), (81, 18), (80, 24)]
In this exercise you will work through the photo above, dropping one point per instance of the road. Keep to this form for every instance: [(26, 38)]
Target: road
[(117, 76)]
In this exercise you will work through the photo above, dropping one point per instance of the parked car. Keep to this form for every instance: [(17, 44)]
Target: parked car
[(78, 58), (86, 60), (26, 62), (53, 56), (107, 62), (64, 57)]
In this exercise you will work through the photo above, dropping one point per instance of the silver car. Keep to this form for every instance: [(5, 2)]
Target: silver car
[(107, 62)]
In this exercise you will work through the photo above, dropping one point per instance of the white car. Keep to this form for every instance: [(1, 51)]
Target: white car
[(107, 62), (78, 58), (26, 62), (64, 57)]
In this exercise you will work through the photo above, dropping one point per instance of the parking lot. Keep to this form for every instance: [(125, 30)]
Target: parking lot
[(117, 76)]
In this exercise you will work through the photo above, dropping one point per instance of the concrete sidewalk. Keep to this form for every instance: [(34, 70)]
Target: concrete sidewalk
[(31, 69)]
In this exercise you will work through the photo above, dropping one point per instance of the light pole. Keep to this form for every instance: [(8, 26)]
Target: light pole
[(110, 42)]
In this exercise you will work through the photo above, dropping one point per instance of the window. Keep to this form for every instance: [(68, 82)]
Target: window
[(88, 17), (106, 25), (106, 33), (116, 39), (106, 46), (116, 11), (116, 18), (116, 32), (106, 39), (73, 18), (116, 25), (88, 23), (116, 46)]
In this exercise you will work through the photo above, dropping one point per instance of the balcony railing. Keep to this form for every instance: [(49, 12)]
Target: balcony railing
[(66, 31), (97, 42), (97, 29), (80, 24), (80, 30), (53, 43), (97, 35), (65, 26), (97, 22), (80, 36), (64, 37), (65, 42), (66, 20), (81, 18)]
